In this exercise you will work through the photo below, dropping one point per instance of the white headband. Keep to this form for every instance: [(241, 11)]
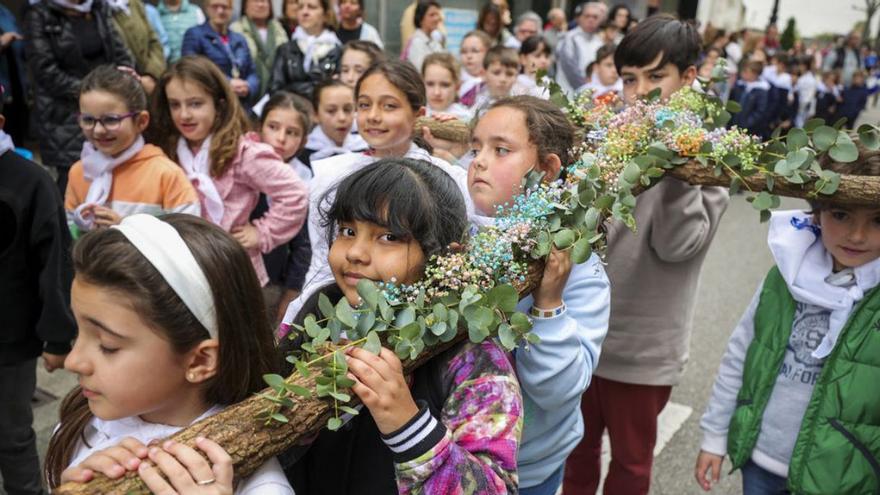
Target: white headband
[(163, 247)]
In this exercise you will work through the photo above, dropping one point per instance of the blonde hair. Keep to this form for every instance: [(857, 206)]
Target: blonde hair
[(445, 60)]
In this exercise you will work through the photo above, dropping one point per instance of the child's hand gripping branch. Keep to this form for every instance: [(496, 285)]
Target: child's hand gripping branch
[(381, 386)]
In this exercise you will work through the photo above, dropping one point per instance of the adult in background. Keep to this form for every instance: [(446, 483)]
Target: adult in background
[(289, 9), (352, 25), (579, 46), (155, 19), (13, 76), (846, 58), (177, 16), (227, 49), (311, 55), (64, 41), (491, 21), (556, 27), (528, 24), (427, 39), (620, 16), (264, 34), (130, 19)]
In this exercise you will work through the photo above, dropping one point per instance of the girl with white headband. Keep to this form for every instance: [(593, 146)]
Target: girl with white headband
[(199, 123), (171, 330), (119, 175)]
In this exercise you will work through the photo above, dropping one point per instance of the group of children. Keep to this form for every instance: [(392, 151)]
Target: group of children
[(786, 93), (172, 324)]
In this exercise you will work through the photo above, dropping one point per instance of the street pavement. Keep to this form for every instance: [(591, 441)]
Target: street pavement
[(735, 265)]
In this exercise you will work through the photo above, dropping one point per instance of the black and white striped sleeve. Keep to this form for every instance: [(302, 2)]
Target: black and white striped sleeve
[(417, 436)]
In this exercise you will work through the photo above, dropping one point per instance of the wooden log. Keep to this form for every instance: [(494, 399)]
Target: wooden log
[(861, 190)]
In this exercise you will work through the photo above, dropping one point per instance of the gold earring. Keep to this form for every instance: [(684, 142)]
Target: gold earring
[(192, 377)]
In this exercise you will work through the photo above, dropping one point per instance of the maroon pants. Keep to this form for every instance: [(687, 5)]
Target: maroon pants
[(629, 412)]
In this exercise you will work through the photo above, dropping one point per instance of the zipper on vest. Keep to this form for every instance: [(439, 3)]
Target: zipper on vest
[(861, 447)]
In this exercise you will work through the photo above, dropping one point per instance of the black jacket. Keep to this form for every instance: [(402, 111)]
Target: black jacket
[(35, 269), (289, 74), (58, 67)]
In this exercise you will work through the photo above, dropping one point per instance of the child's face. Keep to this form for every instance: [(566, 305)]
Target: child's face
[(537, 60), (114, 130), (367, 250), (606, 71), (858, 80), (336, 112), (282, 130), (851, 235), (192, 110), (500, 79), (472, 53), (291, 8), (440, 87), (639, 81), (503, 154), (125, 367), (352, 65), (748, 75), (384, 116)]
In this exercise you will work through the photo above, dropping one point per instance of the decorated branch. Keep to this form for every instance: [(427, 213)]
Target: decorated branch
[(472, 293)]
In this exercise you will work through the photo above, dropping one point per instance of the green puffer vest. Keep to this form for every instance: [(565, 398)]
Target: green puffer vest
[(838, 446)]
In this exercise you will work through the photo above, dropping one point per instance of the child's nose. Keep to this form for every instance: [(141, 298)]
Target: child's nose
[(75, 361)]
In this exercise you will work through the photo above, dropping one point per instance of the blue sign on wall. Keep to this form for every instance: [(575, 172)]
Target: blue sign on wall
[(458, 22)]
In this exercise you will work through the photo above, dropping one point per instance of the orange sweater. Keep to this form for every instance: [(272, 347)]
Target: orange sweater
[(148, 183)]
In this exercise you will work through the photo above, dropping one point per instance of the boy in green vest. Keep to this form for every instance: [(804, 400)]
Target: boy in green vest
[(795, 404)]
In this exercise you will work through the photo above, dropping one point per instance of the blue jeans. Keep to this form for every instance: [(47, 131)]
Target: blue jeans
[(547, 487), (759, 481)]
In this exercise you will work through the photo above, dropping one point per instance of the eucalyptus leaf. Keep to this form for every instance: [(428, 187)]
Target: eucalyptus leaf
[(349, 410), (796, 139), (326, 306), (373, 344), (503, 297), (506, 337), (276, 382), (581, 251), (405, 316), (280, 418), (844, 151), (369, 292), (410, 331), (312, 328), (824, 137), (299, 390), (868, 136), (334, 424), (564, 238)]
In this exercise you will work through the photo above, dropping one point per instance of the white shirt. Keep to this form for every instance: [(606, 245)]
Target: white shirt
[(269, 479)]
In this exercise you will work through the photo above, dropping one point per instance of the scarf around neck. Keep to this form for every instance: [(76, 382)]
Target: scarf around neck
[(198, 171), (84, 7), (325, 147), (264, 48), (98, 169), (119, 6), (314, 47)]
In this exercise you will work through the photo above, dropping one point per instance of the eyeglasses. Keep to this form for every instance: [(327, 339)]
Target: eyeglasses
[(110, 122)]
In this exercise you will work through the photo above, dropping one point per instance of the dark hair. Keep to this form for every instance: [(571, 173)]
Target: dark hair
[(106, 258), (549, 128), (505, 56), (487, 10), (533, 44), (414, 199), (110, 79), (403, 76), (325, 84), (756, 66), (229, 126), (675, 41), (421, 10), (371, 49), (291, 101), (605, 51), (244, 7), (613, 13)]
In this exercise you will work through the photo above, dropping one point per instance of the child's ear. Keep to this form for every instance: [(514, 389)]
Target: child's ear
[(202, 361), (689, 75), (552, 165), (422, 112), (141, 120)]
